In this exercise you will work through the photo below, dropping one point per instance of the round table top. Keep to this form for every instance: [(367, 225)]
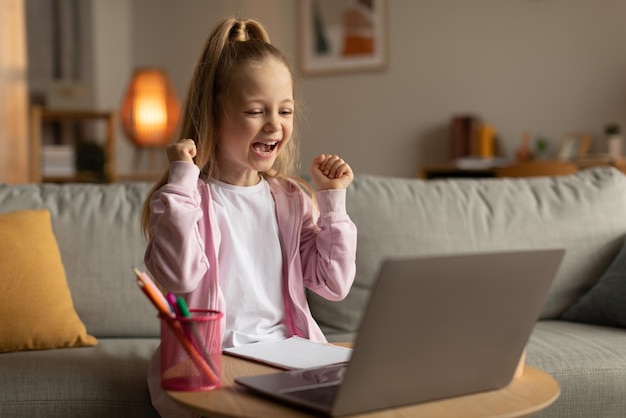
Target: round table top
[(525, 395)]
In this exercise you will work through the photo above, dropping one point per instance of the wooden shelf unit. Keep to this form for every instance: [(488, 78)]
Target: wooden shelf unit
[(40, 115)]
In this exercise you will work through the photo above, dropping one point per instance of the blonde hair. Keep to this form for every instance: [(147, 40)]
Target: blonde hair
[(232, 44)]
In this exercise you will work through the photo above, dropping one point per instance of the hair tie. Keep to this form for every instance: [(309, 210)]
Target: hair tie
[(239, 32)]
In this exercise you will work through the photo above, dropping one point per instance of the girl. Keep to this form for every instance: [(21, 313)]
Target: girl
[(229, 225)]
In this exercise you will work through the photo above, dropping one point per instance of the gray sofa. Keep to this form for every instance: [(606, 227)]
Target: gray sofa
[(96, 227)]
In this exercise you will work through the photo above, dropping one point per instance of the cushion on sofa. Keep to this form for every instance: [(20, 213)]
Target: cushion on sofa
[(605, 303), (36, 308), (97, 229), (588, 361), (584, 213), (105, 381)]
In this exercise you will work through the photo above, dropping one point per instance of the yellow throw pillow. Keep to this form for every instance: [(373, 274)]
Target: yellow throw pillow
[(36, 308)]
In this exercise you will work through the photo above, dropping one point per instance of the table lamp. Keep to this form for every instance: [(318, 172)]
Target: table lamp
[(150, 110)]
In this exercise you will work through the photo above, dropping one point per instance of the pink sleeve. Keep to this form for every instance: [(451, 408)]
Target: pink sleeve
[(175, 254), (328, 246)]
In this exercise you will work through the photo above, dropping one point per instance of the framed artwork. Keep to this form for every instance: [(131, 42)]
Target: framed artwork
[(574, 145), (338, 36)]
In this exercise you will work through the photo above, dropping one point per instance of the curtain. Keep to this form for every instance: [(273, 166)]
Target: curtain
[(14, 164)]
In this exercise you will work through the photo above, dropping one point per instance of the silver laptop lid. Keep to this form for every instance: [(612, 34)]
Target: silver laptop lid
[(438, 327)]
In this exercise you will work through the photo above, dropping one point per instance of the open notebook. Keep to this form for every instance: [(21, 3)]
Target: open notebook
[(434, 327), (292, 353)]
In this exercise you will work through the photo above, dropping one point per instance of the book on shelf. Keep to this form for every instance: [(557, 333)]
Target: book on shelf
[(58, 160), (292, 353)]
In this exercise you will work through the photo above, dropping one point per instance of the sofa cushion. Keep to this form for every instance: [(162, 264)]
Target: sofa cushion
[(584, 213), (97, 229), (588, 361), (605, 303), (36, 308), (107, 381)]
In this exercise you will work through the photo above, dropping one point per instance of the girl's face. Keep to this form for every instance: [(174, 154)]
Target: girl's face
[(257, 122)]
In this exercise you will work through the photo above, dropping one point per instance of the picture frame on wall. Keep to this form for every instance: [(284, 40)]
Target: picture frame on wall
[(342, 36)]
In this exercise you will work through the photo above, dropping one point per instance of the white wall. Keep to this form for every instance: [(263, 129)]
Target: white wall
[(547, 66), (113, 65)]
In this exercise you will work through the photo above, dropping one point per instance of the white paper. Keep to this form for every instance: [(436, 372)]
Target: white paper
[(292, 353)]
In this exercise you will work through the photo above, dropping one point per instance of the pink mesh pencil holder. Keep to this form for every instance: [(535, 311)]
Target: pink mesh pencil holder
[(191, 351)]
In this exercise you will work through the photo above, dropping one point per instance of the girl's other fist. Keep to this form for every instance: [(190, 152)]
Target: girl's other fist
[(331, 172)]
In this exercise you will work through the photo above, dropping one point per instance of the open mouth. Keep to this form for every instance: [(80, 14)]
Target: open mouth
[(265, 147)]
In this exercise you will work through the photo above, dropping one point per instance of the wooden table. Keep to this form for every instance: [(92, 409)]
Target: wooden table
[(526, 395)]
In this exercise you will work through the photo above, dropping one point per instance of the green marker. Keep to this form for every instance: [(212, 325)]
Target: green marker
[(185, 312), (182, 305)]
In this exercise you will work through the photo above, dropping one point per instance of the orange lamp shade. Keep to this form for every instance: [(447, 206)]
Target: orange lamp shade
[(150, 110)]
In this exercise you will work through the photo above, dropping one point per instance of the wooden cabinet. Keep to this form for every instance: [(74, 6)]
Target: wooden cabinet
[(39, 117), (451, 170)]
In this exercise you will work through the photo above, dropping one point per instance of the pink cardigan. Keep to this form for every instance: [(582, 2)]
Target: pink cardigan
[(319, 252)]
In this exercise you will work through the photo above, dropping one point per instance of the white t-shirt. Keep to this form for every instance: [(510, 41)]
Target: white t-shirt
[(250, 263)]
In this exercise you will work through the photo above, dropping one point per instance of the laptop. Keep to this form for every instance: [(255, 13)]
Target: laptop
[(434, 328)]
